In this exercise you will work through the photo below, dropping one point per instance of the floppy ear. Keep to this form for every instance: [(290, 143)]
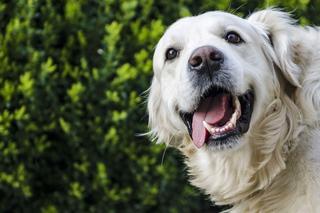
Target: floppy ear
[(163, 120), (158, 122), (280, 29), (154, 109)]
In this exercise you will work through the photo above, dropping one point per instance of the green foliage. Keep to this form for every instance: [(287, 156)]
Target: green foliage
[(72, 77)]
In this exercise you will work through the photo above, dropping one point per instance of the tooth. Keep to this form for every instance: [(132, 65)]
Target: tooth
[(238, 107), (207, 126), (233, 119), (238, 114), (215, 130), (210, 128)]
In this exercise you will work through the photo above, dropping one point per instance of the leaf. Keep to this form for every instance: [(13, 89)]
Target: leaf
[(7, 91), (48, 67), (20, 113), (65, 126), (76, 190), (26, 84), (75, 91)]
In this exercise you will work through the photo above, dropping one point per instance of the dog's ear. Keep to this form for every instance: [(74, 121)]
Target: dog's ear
[(154, 104), (279, 28), (158, 122)]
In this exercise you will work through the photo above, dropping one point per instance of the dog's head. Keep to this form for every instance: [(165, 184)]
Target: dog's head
[(224, 83)]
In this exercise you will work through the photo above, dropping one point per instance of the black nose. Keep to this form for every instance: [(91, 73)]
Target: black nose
[(206, 58)]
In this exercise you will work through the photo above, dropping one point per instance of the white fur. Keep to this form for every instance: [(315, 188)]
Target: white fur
[(276, 166)]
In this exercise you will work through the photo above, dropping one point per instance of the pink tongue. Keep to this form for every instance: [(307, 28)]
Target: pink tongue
[(212, 110)]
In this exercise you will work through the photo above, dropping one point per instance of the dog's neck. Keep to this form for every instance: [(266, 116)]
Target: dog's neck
[(227, 179), (292, 190)]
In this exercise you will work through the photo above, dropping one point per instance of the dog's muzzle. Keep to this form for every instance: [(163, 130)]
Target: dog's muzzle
[(221, 115)]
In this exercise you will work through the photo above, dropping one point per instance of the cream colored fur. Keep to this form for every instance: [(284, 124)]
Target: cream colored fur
[(276, 166)]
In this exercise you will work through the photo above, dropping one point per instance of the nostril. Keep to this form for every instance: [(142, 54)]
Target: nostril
[(216, 56), (196, 61)]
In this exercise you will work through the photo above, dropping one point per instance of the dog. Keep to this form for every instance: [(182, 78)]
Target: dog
[(240, 98)]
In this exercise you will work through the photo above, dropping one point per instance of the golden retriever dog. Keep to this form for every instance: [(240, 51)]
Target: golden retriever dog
[(240, 98)]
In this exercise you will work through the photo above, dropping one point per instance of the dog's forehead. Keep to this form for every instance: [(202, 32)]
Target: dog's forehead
[(221, 17), (214, 22)]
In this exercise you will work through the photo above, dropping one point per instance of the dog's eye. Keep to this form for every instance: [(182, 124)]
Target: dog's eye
[(233, 37), (171, 54)]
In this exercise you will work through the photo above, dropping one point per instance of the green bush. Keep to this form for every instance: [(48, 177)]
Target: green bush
[(73, 75)]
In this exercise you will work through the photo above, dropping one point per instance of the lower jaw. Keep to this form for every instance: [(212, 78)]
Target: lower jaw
[(231, 141)]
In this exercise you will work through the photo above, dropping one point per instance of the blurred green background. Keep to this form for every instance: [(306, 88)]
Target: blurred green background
[(73, 76)]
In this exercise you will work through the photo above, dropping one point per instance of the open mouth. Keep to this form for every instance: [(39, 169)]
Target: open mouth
[(220, 117)]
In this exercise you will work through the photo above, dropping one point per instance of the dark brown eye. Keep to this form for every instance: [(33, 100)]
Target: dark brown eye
[(171, 54), (233, 38)]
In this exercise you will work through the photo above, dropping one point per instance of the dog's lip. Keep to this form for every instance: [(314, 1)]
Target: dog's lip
[(242, 124)]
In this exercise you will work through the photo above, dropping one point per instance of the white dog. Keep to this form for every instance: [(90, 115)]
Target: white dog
[(241, 99)]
